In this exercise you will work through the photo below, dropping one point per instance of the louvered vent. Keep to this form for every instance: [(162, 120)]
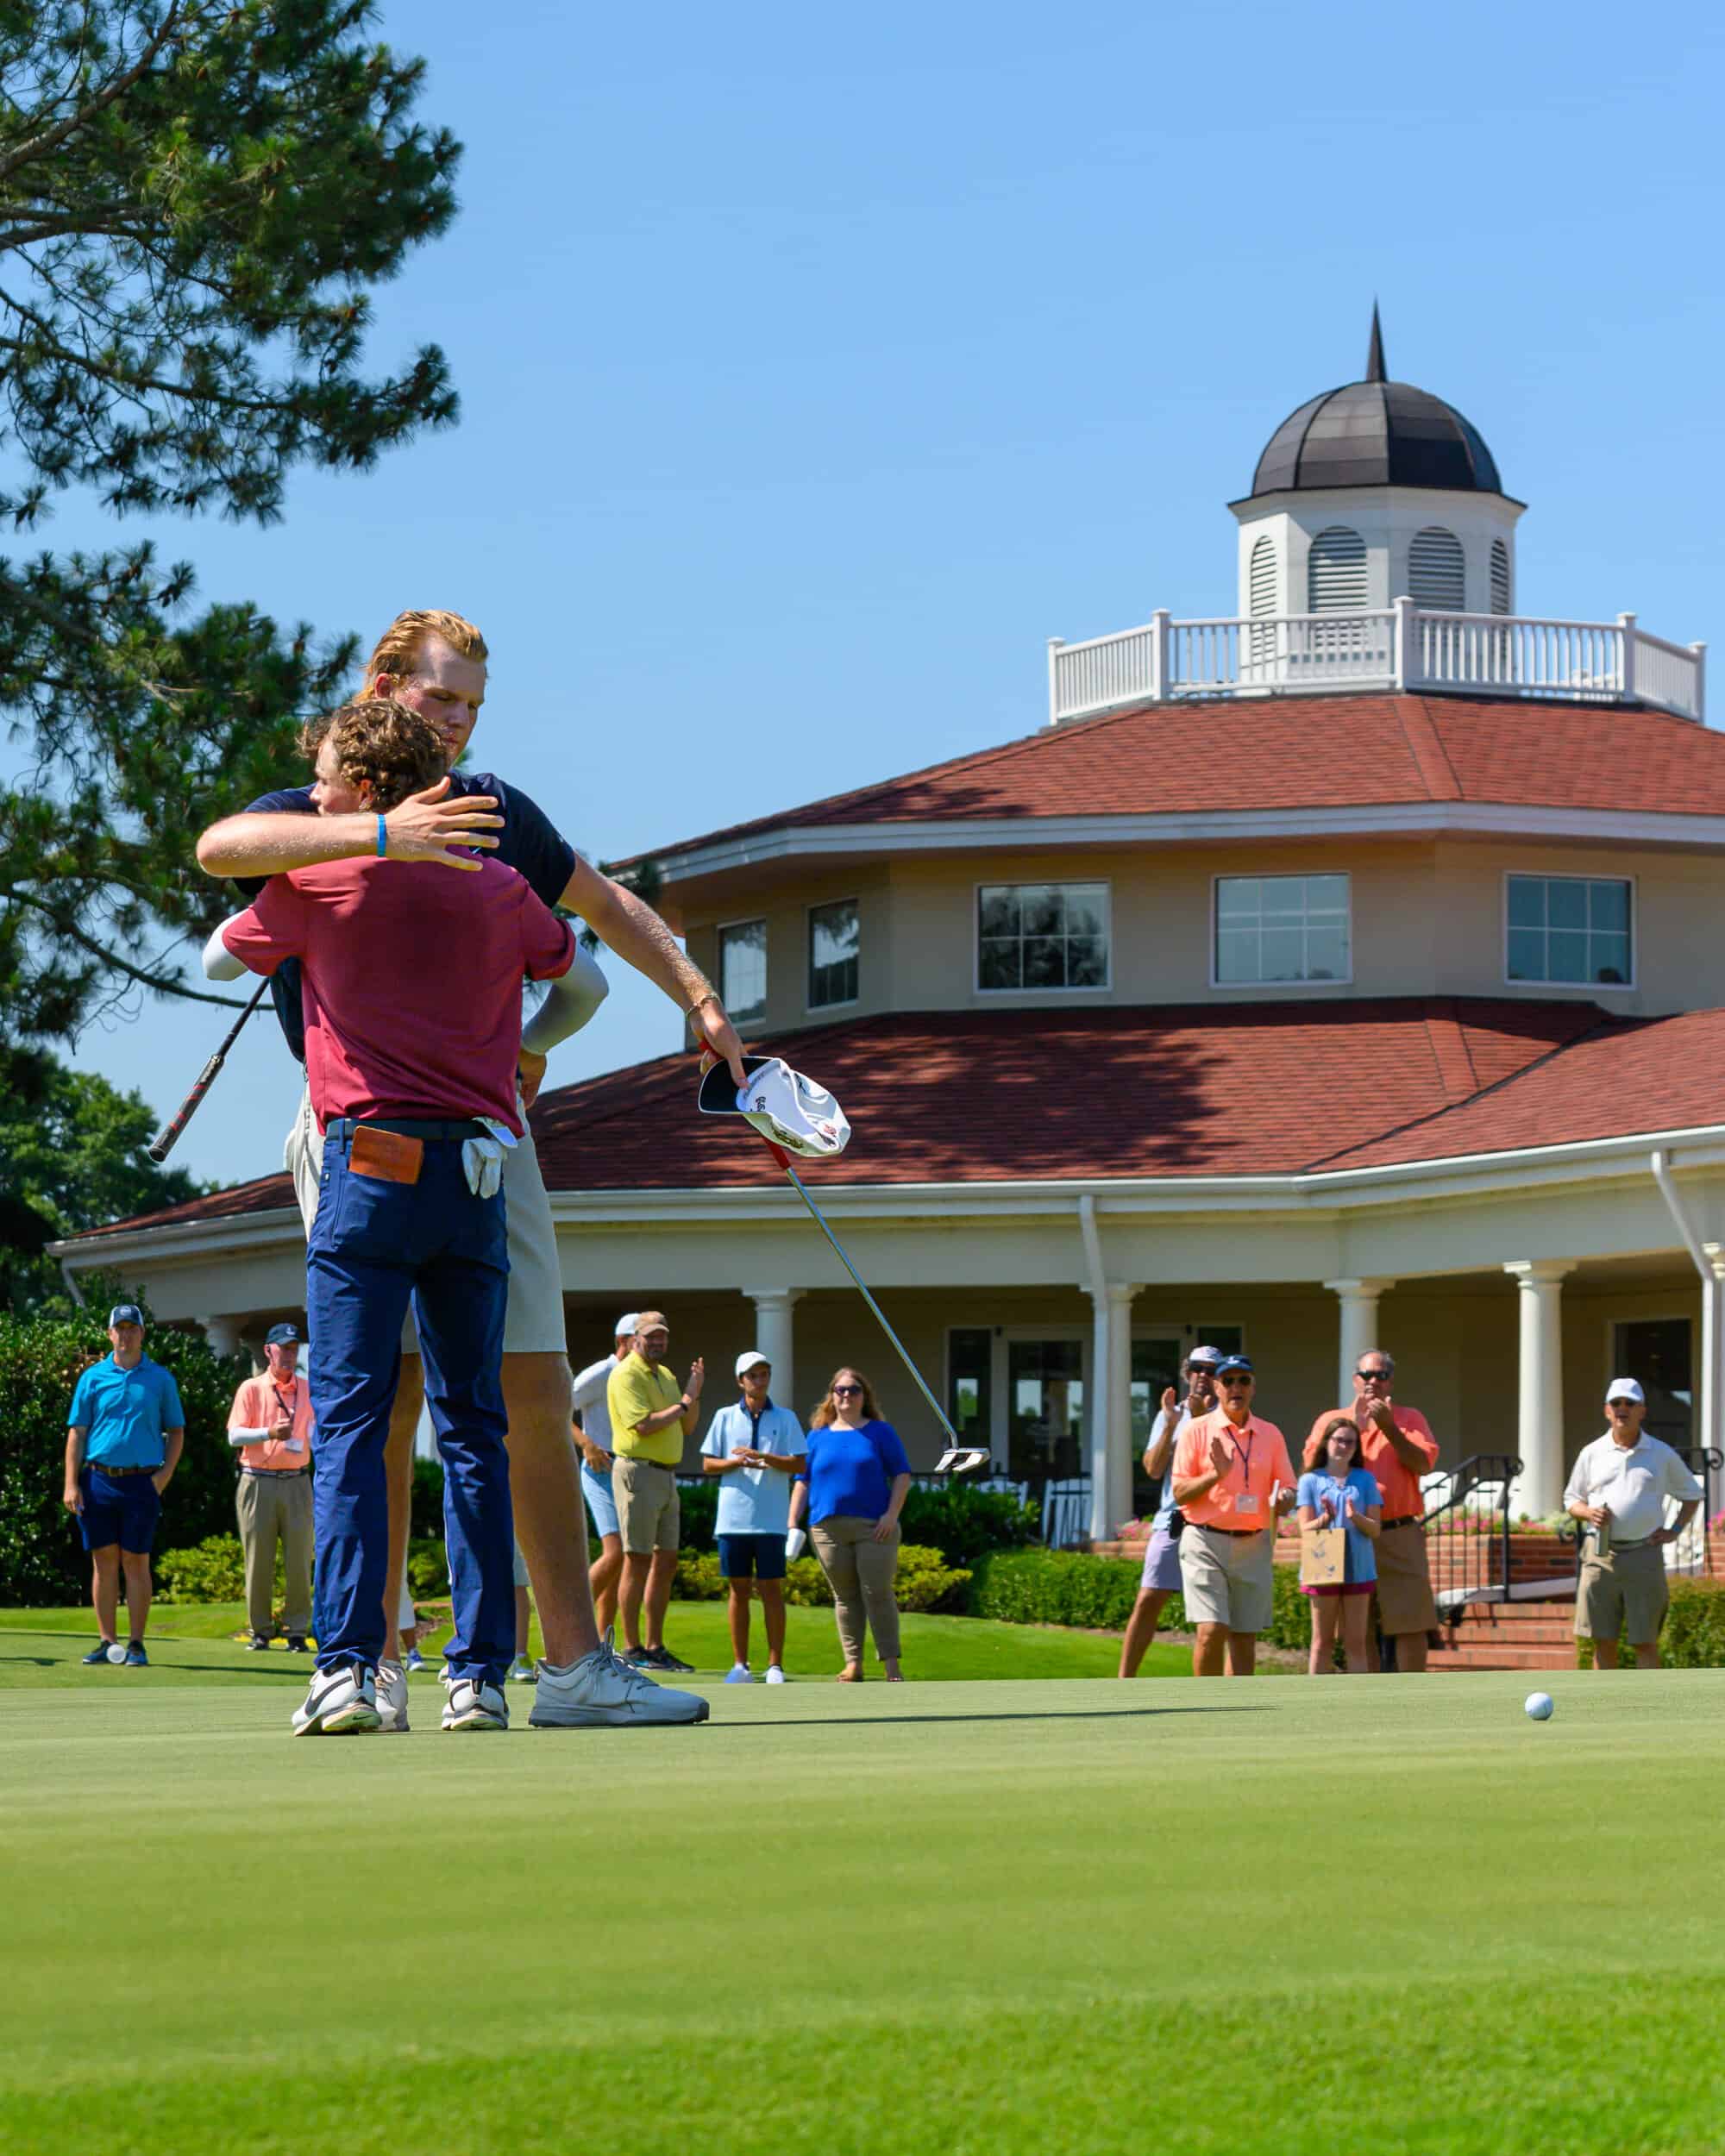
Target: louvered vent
[(1261, 579), (1437, 573), (1335, 572), (1499, 577)]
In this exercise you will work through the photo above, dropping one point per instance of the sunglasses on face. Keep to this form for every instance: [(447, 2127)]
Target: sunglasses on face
[(837, 1390), (1235, 1384), (1373, 1377)]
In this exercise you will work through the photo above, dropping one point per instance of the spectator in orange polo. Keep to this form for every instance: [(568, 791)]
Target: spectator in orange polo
[(1232, 1479), (270, 1426), (1396, 1447)]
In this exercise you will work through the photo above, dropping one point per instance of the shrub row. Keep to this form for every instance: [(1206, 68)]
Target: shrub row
[(925, 1581), (214, 1571), (1694, 1634), (1060, 1587)]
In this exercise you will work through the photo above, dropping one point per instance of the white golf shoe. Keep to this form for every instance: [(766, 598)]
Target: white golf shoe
[(739, 1673), (392, 1699), (774, 1674), (342, 1702), (475, 1706), (599, 1692)]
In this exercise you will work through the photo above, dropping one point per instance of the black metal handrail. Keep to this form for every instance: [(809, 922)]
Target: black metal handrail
[(1471, 1563)]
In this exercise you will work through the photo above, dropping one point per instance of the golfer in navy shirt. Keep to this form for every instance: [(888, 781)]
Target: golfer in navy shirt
[(414, 1090), (124, 1433)]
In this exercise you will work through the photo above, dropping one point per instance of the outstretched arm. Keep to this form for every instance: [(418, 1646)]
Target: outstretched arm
[(641, 939), (423, 827)]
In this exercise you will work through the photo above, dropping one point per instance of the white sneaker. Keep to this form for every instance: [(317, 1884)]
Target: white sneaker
[(475, 1706), (739, 1673), (391, 1698), (342, 1702), (520, 1671), (774, 1674), (599, 1692)]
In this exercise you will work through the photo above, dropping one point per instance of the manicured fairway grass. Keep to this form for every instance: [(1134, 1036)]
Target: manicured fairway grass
[(196, 1644), (966, 1918)]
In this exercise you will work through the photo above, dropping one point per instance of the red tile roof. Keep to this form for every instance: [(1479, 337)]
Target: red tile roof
[(1294, 752), (1262, 1088)]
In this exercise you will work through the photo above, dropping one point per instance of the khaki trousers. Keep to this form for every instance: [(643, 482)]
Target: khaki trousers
[(273, 1507), (862, 1572)]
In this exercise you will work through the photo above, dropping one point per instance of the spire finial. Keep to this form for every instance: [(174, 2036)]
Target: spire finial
[(1374, 358)]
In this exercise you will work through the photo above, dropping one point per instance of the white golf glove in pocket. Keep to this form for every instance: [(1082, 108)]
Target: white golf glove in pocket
[(482, 1157)]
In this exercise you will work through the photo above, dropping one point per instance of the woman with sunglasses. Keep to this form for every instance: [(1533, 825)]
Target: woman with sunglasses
[(1339, 1493), (854, 1490)]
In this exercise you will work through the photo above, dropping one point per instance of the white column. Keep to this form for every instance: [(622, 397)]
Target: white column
[(1358, 1300), (1540, 1420), (1110, 1432), (774, 1336), (222, 1334), (1712, 1387)]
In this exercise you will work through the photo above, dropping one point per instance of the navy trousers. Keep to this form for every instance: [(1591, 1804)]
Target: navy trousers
[(374, 1246)]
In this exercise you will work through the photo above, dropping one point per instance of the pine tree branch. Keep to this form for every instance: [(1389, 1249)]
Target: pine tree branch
[(43, 145)]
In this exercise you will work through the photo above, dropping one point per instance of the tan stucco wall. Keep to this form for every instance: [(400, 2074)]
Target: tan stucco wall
[(1428, 920)]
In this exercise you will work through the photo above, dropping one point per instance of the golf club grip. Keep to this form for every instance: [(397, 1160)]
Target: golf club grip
[(166, 1139)]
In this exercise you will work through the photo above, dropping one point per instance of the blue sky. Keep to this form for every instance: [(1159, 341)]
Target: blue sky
[(816, 368)]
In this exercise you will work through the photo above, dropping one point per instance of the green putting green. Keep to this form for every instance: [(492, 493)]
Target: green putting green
[(1376, 1915)]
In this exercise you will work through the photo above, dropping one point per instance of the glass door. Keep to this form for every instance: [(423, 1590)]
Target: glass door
[(1655, 1352), (1045, 1409)]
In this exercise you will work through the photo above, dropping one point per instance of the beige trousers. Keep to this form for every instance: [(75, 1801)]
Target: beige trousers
[(862, 1572), (272, 1507)]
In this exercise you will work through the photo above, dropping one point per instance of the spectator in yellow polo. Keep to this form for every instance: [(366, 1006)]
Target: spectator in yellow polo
[(650, 1415)]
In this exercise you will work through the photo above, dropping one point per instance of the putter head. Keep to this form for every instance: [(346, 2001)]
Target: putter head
[(962, 1459)]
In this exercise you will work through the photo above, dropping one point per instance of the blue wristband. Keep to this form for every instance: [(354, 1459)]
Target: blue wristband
[(383, 837)]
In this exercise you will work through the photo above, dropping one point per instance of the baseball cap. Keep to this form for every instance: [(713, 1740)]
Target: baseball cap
[(629, 1322), (747, 1361), (793, 1111), (651, 1321), (281, 1335), (1234, 1363), (125, 1313), (1207, 1358), (1624, 1388)]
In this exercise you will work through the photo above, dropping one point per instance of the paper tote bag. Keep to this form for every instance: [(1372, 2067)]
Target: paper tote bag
[(1323, 1557)]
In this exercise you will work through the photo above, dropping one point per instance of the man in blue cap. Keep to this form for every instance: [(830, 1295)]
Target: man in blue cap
[(269, 1427), (124, 1433)]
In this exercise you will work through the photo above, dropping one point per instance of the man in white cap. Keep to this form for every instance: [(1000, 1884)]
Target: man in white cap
[(592, 1442), (1161, 1576), (760, 1451), (1618, 1489)]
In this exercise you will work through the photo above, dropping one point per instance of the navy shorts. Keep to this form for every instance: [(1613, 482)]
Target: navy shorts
[(752, 1556), (121, 1508)]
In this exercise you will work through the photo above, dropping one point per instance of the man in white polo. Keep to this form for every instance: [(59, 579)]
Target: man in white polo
[(1618, 1489), (760, 1450)]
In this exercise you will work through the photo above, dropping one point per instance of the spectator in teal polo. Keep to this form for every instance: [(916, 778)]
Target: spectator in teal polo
[(124, 1434)]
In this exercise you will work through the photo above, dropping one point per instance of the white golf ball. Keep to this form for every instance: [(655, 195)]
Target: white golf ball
[(1539, 1705), (116, 1653)]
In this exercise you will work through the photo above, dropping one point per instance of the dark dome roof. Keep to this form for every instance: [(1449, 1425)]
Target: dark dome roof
[(1376, 434)]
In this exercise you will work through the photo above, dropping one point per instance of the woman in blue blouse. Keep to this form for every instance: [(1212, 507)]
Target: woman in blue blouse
[(1339, 1492), (855, 1487)]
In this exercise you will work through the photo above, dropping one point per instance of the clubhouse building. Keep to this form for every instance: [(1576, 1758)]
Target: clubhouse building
[(1340, 972)]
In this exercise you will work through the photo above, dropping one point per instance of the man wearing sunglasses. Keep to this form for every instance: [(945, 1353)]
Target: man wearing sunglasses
[(1396, 1447), (1232, 1480), (1618, 1489)]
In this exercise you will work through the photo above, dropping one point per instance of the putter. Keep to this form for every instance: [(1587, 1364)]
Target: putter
[(166, 1139), (958, 1458)]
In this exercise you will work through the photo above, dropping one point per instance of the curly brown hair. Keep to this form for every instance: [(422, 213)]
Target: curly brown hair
[(399, 752), (871, 1406)]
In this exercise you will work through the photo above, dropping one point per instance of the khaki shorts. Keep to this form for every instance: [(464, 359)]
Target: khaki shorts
[(1405, 1602), (533, 1323), (1623, 1591), (1228, 1579), (649, 1513)]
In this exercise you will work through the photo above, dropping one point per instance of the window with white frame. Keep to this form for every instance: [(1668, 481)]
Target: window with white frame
[(743, 970), (1282, 929), (835, 941), (1041, 935), (1573, 930)]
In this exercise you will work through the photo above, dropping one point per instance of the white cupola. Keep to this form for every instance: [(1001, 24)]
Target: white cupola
[(1373, 493)]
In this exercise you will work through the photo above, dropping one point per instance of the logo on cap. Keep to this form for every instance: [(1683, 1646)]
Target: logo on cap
[(281, 1335), (125, 1313)]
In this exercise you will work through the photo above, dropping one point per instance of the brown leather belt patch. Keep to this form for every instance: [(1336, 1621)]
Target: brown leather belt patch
[(387, 1155)]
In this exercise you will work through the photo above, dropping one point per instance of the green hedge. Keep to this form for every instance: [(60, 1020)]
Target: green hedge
[(41, 1561), (1061, 1587), (214, 1571), (1693, 1633), (925, 1581)]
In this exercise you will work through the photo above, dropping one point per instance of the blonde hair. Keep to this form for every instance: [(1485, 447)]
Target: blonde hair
[(871, 1407), (399, 647)]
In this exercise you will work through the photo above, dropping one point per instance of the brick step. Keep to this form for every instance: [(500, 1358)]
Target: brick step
[(1540, 1631), (1486, 1656)]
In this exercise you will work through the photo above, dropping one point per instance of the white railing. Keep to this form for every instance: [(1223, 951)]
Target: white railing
[(1403, 647)]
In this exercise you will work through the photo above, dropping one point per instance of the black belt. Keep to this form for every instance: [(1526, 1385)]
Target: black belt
[(343, 1126), (1204, 1527), (1407, 1519), (97, 1467), (274, 1474)]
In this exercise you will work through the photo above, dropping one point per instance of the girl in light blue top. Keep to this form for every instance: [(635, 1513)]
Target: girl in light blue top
[(1339, 1493)]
